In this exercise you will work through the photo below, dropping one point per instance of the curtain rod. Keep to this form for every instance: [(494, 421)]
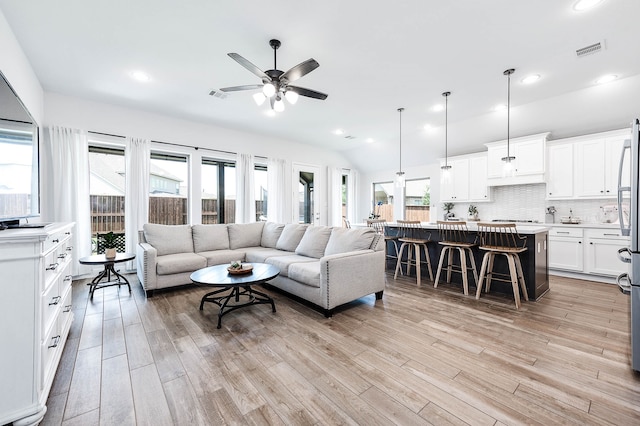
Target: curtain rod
[(177, 144)]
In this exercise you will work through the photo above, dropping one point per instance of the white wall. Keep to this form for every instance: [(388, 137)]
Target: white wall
[(17, 70)]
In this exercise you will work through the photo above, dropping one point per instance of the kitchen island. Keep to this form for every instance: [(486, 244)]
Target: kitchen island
[(534, 261)]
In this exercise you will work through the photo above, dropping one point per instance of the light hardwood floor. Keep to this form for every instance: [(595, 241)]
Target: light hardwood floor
[(418, 356)]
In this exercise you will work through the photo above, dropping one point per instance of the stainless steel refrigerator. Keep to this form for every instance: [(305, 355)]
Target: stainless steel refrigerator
[(629, 219)]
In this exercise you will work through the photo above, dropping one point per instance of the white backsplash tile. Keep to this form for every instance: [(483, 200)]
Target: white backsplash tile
[(527, 202)]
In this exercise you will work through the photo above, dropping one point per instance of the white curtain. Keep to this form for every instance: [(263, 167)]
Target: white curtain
[(334, 195), (353, 190), (245, 196), (277, 191), (66, 187), (136, 199)]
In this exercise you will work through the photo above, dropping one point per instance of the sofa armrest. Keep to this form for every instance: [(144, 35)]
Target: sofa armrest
[(146, 256), (351, 275)]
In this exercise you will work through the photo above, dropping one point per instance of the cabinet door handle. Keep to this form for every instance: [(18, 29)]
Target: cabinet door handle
[(562, 232), (55, 340), (612, 235), (52, 267), (67, 308), (55, 300)]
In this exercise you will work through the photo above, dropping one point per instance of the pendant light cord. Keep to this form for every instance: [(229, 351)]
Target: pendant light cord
[(400, 111), (446, 128), (508, 74)]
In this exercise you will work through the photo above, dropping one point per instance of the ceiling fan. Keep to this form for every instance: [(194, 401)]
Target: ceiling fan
[(275, 83)]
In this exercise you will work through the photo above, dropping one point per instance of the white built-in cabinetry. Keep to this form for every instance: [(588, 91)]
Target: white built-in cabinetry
[(466, 180), (586, 167), (528, 165), (591, 251), (35, 266)]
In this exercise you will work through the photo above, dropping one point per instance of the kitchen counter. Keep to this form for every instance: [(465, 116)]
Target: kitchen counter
[(534, 260), (584, 225)]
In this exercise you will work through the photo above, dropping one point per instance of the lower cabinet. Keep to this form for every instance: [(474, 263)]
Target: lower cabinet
[(35, 266), (586, 250)]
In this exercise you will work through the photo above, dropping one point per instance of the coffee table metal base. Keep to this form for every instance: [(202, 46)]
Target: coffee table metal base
[(232, 301)]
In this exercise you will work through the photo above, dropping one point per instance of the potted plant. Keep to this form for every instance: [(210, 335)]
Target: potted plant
[(473, 212), (110, 242), (448, 207)]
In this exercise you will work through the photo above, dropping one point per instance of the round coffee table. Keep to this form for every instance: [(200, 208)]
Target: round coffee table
[(241, 294), (109, 268)]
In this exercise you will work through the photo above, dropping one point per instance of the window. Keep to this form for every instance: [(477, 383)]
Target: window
[(218, 191), (417, 195), (168, 189), (382, 201), (106, 190), (260, 181)]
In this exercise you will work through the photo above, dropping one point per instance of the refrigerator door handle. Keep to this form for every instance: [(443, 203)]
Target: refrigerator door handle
[(624, 229), (624, 287), (625, 259)]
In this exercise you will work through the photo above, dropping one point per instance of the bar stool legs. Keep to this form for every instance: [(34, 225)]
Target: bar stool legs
[(413, 249), (448, 251), (515, 273)]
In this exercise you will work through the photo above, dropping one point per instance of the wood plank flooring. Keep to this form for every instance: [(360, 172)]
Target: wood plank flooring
[(418, 356)]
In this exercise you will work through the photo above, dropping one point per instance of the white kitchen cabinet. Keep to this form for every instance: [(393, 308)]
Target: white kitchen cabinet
[(560, 171), (478, 186), (597, 162), (566, 249), (455, 187), (35, 266), (528, 165), (601, 252)]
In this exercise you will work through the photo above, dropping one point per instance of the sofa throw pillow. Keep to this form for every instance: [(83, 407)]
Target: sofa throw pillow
[(291, 236), (245, 235), (270, 234), (210, 237), (343, 240), (314, 241), (169, 239)]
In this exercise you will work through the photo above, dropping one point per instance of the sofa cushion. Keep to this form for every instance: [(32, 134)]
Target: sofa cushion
[(283, 262), (270, 234), (291, 236), (343, 240), (306, 273), (220, 257), (210, 237), (314, 241), (169, 239), (245, 234), (177, 263), (261, 254)]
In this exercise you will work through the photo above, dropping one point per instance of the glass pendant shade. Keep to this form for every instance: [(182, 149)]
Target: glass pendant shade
[(278, 105), (291, 96), (259, 98), (400, 181), (269, 90)]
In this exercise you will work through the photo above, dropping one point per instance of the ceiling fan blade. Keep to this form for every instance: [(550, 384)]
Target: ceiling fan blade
[(308, 92), (300, 70), (238, 88), (249, 66)]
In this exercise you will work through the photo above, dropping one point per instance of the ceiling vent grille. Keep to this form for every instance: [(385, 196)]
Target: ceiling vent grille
[(349, 137), (218, 94), (591, 49)]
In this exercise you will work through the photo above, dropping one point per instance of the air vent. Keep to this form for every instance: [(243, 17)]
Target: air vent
[(217, 94), (349, 137), (591, 49)]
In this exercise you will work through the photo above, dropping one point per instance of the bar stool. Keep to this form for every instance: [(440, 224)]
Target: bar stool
[(455, 236), (409, 231), (380, 226), (502, 239)]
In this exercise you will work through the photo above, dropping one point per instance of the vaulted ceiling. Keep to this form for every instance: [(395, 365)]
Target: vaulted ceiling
[(375, 56)]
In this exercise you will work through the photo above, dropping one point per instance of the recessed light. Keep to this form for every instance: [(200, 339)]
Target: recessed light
[(140, 76), (437, 108), (582, 5), (606, 79), (338, 132), (369, 140), (531, 78), (428, 127), (500, 107)]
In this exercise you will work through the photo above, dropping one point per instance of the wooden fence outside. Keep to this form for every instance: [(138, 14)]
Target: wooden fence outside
[(421, 213)]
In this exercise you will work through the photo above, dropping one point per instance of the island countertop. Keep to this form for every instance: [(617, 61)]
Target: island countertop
[(525, 229)]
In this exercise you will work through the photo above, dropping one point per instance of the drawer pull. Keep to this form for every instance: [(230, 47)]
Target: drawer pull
[(562, 232), (612, 235), (67, 308), (55, 241), (70, 248), (55, 300), (67, 233), (68, 278), (62, 255), (56, 340), (52, 267)]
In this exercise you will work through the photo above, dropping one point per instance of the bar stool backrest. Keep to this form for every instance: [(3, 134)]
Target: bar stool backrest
[(346, 222), (453, 231), (500, 235), (409, 228), (379, 225)]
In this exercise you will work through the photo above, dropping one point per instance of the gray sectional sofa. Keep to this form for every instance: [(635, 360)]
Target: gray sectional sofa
[(322, 265)]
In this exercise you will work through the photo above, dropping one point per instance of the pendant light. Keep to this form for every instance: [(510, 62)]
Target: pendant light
[(400, 173), (446, 168), (507, 169)]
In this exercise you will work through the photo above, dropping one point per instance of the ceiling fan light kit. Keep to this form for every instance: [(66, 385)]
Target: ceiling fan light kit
[(275, 83)]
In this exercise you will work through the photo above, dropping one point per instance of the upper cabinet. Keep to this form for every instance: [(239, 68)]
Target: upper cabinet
[(586, 166), (528, 165), (466, 180)]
